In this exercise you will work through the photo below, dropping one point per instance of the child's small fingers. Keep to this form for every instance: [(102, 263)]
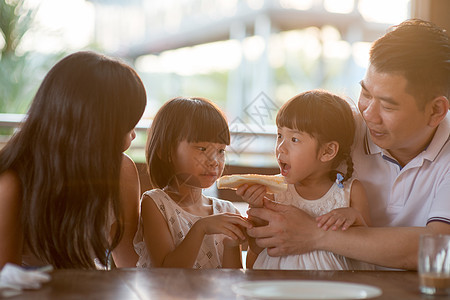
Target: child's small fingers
[(240, 191), (339, 222), (331, 221), (322, 223), (323, 219), (230, 233), (257, 190), (240, 220), (233, 230), (261, 192), (245, 223), (238, 233), (261, 188), (347, 224), (256, 198)]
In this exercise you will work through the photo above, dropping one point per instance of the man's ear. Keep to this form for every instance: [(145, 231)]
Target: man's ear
[(437, 109), (329, 151)]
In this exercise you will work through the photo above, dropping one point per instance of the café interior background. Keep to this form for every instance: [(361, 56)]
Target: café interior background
[(248, 56)]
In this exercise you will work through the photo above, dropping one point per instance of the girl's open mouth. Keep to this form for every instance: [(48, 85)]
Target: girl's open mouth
[(284, 168)]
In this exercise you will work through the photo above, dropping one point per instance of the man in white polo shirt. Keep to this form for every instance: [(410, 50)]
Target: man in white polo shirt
[(401, 154)]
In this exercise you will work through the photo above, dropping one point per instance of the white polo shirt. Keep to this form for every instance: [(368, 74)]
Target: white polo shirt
[(414, 195)]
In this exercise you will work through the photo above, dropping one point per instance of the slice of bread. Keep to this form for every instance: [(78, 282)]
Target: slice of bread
[(274, 183)]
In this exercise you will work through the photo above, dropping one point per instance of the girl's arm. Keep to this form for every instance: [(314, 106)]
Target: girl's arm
[(233, 225), (124, 254), (355, 215), (159, 242), (10, 222), (232, 252), (157, 237), (358, 201), (253, 250), (232, 256), (251, 258)]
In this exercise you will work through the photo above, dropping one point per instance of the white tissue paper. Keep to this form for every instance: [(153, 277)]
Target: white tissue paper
[(14, 279)]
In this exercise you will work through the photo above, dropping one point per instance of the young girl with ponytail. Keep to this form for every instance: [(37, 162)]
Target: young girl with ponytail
[(315, 135)]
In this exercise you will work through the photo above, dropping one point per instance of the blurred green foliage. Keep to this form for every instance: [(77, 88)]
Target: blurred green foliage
[(15, 21), (21, 70)]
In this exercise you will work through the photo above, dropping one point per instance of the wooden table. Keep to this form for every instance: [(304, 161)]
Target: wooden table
[(203, 284)]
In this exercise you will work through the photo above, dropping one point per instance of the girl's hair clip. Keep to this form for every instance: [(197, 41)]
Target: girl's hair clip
[(339, 179)]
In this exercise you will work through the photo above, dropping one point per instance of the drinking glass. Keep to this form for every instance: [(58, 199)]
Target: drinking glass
[(434, 264)]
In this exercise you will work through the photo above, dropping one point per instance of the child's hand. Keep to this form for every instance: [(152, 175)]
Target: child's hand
[(256, 222), (231, 225), (230, 243), (253, 195), (339, 218), (252, 245)]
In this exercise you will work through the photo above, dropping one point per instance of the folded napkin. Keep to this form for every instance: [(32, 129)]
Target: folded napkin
[(14, 279)]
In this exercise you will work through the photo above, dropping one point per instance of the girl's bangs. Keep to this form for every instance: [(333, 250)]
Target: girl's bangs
[(296, 115), (206, 125)]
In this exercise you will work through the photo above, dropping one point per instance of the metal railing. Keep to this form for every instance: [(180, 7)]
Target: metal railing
[(251, 145)]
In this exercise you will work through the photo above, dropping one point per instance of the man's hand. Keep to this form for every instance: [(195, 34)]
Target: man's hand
[(289, 230)]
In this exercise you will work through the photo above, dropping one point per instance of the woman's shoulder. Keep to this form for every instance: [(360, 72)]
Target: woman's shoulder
[(9, 181), (10, 191), (128, 172), (10, 221), (128, 164)]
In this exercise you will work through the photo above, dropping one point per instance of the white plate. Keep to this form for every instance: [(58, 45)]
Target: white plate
[(304, 289)]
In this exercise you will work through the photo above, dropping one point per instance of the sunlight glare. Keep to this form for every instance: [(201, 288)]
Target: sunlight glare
[(375, 11), (253, 47), (340, 7), (201, 59), (292, 40), (311, 43), (277, 57), (337, 49), (297, 4), (360, 52), (255, 4), (60, 25), (330, 33)]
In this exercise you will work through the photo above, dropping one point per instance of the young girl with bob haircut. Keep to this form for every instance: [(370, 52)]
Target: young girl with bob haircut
[(315, 135), (179, 226), (68, 194)]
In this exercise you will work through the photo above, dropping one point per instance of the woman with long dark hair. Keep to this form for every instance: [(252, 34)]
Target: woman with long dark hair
[(68, 193)]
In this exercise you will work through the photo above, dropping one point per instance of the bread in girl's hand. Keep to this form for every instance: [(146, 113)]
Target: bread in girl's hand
[(274, 183)]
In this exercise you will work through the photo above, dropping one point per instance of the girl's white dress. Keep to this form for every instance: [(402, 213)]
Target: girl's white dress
[(180, 222), (316, 260)]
